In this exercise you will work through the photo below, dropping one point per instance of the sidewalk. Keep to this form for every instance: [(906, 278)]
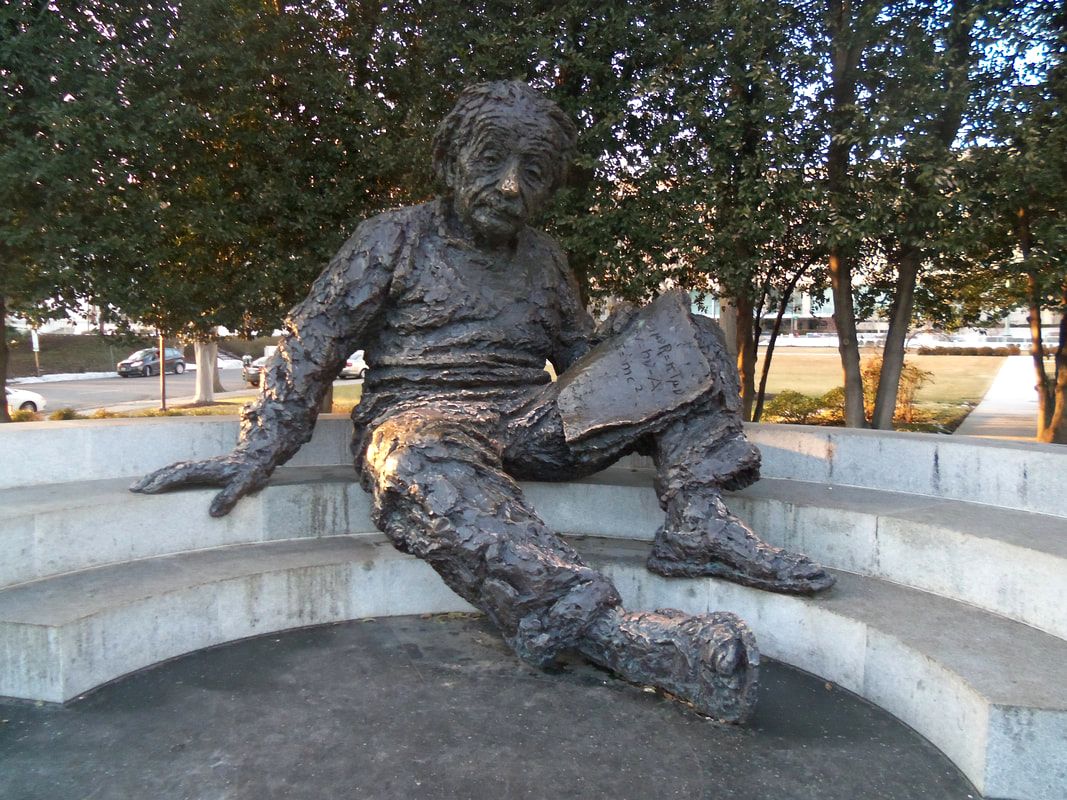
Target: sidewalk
[(1009, 408), (173, 402)]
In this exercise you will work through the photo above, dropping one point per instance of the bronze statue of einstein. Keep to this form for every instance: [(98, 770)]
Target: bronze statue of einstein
[(457, 304)]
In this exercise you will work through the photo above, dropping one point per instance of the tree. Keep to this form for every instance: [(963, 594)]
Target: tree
[(233, 154), (1012, 248), (849, 28), (936, 85), (44, 60)]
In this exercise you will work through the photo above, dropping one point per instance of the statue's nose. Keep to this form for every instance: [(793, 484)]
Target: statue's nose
[(509, 184)]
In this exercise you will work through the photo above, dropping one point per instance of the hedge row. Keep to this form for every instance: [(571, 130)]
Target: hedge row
[(1007, 350)]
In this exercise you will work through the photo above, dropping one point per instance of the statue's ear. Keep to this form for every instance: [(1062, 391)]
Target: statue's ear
[(447, 175)]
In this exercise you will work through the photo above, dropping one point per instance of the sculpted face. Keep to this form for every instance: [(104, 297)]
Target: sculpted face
[(504, 174)]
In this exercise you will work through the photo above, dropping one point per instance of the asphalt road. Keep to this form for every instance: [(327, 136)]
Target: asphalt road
[(88, 394)]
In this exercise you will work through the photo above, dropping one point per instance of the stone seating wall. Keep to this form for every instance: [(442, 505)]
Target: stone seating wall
[(951, 554)]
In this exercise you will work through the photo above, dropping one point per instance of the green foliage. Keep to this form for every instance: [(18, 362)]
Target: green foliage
[(833, 405), (194, 164), (63, 414), (793, 407), (1009, 350)]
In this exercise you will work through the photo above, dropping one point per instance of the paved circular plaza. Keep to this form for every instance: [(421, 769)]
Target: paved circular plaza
[(437, 707)]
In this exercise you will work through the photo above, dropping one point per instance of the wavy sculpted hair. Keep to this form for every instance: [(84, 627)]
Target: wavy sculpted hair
[(485, 98)]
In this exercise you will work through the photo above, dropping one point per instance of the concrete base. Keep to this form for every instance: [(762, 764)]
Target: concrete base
[(439, 709), (994, 712), (95, 582), (1010, 562)]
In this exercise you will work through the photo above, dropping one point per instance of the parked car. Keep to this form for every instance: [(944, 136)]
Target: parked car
[(146, 362), (23, 400), (252, 371), (355, 366)]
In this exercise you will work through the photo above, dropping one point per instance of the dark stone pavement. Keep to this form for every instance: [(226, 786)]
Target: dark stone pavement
[(412, 708)]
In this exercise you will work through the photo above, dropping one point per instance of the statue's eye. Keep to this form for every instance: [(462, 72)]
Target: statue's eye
[(492, 158)]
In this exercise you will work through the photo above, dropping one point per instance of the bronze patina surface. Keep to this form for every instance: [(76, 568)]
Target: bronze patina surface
[(458, 303)]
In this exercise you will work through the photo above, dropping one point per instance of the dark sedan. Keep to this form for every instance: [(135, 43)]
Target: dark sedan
[(146, 362)]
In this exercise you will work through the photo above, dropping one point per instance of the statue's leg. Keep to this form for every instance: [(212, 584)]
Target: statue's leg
[(699, 449), (699, 454), (440, 494)]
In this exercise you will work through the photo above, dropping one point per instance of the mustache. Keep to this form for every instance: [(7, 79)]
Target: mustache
[(494, 202)]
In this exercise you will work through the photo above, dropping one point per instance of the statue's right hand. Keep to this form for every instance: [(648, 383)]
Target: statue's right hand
[(238, 476)]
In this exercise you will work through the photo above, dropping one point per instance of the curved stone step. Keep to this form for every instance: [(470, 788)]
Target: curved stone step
[(61, 636), (1010, 562), (1018, 475), (990, 692)]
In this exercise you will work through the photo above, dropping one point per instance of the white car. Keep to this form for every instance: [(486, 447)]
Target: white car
[(22, 400), (355, 366)]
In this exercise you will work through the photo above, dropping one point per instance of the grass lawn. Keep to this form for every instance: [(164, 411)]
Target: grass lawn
[(815, 371), (956, 385), (76, 353)]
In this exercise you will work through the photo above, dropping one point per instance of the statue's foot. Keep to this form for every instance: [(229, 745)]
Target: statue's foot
[(709, 660), (706, 540)]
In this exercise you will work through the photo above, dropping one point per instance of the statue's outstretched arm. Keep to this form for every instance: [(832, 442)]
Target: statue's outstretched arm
[(320, 332)]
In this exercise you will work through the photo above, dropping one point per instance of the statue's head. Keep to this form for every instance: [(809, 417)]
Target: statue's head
[(501, 154)]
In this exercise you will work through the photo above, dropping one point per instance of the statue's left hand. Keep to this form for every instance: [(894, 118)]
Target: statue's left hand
[(620, 316)]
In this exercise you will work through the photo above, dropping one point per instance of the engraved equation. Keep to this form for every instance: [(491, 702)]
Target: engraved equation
[(655, 365)]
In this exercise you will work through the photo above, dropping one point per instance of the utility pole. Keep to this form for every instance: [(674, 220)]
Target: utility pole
[(162, 374)]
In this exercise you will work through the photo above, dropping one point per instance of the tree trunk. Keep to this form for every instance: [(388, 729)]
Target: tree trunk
[(728, 323), (1046, 396), (783, 304), (846, 49), (765, 372), (885, 403), (847, 343), (206, 354), (1045, 400), (1057, 428), (746, 354), (4, 416), (216, 376)]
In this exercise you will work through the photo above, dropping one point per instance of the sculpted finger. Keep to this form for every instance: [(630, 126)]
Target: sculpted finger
[(226, 499), (184, 473)]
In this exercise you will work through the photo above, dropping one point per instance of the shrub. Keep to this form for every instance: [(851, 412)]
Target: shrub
[(1009, 350), (911, 380), (157, 412), (790, 406), (64, 413), (24, 416), (103, 413), (833, 404)]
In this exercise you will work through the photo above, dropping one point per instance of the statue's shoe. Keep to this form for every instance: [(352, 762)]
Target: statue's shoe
[(705, 540), (709, 660)]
